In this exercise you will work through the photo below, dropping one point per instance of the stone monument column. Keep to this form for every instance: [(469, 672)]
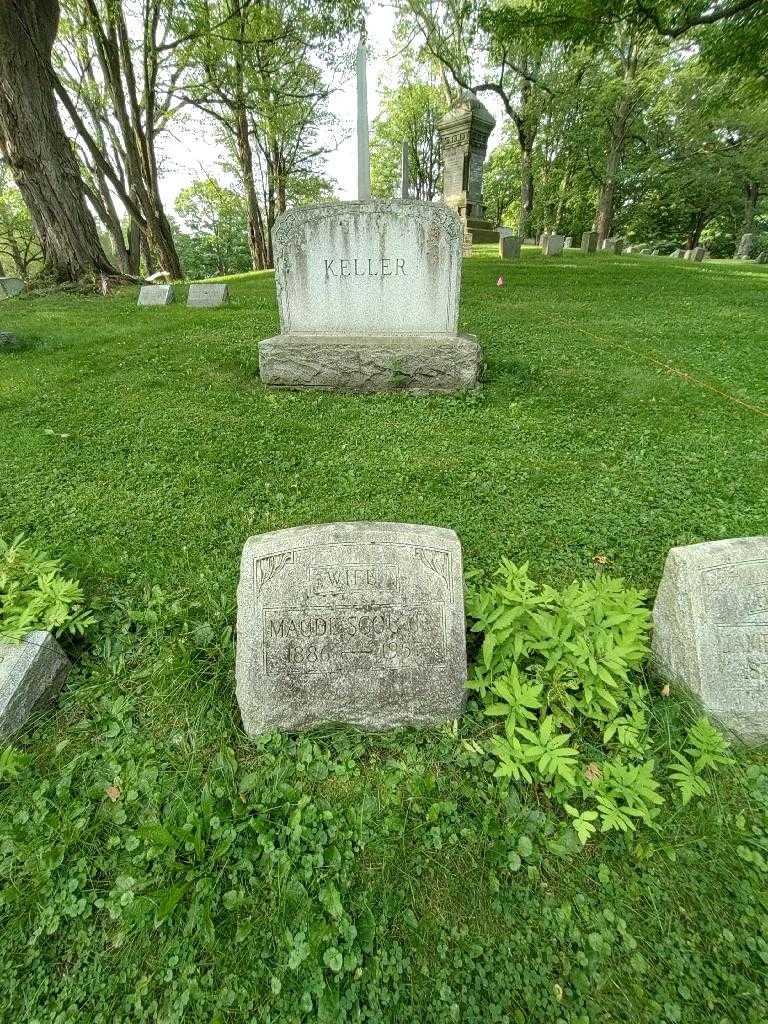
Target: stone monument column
[(464, 132)]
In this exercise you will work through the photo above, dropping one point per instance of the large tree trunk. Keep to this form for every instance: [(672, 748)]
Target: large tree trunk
[(38, 152), (245, 159)]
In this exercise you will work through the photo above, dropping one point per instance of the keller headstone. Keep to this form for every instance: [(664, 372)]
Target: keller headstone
[(509, 247), (31, 674), (10, 287), (360, 623), (614, 245), (464, 132), (204, 296), (589, 242), (156, 295), (368, 296), (744, 249), (711, 629), (553, 245)]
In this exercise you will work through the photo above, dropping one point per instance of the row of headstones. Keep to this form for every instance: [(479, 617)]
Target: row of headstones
[(553, 245), (198, 296), (364, 623)]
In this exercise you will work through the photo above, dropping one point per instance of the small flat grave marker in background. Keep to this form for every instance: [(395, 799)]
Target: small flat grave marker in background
[(31, 673), (156, 295), (203, 296), (614, 246), (10, 286), (552, 245), (711, 629), (351, 622), (509, 247)]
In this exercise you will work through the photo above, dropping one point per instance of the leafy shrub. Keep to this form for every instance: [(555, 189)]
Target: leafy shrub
[(35, 595), (560, 670)]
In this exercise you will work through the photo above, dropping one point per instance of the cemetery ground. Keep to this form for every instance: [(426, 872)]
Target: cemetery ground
[(157, 865)]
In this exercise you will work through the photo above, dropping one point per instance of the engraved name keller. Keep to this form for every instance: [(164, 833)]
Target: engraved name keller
[(363, 266)]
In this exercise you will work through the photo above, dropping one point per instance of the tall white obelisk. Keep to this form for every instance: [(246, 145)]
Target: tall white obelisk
[(363, 155)]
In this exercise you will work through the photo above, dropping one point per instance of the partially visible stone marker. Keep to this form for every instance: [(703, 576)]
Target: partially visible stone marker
[(711, 629), (553, 245), (744, 250), (156, 295), (679, 254), (695, 255), (10, 286), (207, 295), (351, 622), (614, 245), (762, 258), (31, 673), (589, 241), (509, 247), (568, 242)]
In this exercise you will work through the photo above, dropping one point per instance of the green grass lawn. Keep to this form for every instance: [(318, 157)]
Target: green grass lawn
[(337, 876)]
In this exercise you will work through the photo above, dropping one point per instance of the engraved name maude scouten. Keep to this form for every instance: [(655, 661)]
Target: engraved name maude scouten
[(361, 266)]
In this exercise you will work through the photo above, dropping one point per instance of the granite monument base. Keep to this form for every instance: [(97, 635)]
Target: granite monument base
[(419, 364)]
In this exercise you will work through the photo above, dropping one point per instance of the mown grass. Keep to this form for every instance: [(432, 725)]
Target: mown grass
[(338, 876)]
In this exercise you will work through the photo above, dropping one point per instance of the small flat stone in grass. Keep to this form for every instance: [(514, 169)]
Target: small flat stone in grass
[(31, 673), (711, 629), (204, 296), (156, 295)]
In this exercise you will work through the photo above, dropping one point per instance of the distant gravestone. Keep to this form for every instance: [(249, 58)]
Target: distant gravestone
[(10, 286), (679, 254), (368, 295), (711, 629), (31, 673), (615, 246), (509, 247), (762, 258), (744, 250), (351, 622), (156, 295), (655, 252), (568, 242), (207, 295), (589, 241), (553, 245), (695, 255)]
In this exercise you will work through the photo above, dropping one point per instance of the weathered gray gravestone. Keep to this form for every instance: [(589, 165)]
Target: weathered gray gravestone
[(568, 242), (351, 622), (10, 286), (156, 295), (509, 247), (31, 673), (368, 295), (711, 629), (679, 254), (695, 255), (207, 295), (589, 241), (762, 258), (553, 245), (744, 250), (614, 245)]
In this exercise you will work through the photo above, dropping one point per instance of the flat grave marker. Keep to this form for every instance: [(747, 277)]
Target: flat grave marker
[(351, 622)]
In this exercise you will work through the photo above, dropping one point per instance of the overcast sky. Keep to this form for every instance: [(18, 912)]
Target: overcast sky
[(189, 150)]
